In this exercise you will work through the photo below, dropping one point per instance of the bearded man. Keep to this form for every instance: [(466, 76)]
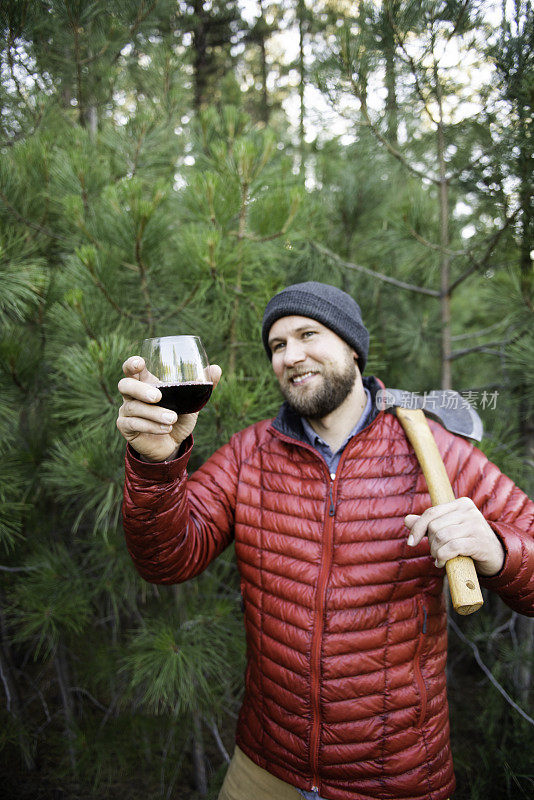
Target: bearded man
[(340, 556)]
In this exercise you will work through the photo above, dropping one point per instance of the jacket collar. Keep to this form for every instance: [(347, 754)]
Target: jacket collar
[(289, 423)]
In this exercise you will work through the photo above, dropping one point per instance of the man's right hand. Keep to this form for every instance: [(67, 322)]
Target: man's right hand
[(155, 433)]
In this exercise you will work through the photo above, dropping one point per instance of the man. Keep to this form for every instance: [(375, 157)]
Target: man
[(341, 560)]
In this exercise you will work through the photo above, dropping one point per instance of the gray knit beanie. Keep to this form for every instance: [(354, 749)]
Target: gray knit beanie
[(327, 304)]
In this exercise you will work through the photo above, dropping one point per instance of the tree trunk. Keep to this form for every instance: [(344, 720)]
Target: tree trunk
[(62, 673), (200, 60), (199, 756), (526, 421), (234, 344), (301, 12), (10, 688), (526, 272), (392, 107), (90, 120), (362, 59), (525, 635), (6, 673), (264, 108), (445, 259)]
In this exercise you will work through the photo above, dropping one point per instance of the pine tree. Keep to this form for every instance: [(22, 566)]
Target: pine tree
[(144, 224), (134, 201), (214, 27), (257, 59), (512, 54)]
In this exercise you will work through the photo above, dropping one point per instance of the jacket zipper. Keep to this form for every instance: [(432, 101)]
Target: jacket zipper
[(317, 636), (422, 615), (320, 602)]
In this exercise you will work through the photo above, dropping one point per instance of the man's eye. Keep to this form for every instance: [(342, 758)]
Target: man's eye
[(307, 334), (277, 346)]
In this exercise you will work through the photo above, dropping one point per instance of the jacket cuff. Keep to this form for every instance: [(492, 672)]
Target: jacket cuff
[(160, 471), (513, 558)]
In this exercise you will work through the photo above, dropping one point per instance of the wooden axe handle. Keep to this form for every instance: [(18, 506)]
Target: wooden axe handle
[(463, 579)]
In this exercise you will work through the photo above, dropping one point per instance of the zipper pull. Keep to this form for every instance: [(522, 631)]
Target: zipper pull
[(332, 510)]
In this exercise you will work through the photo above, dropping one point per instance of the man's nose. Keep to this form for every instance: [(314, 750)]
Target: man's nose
[(294, 353)]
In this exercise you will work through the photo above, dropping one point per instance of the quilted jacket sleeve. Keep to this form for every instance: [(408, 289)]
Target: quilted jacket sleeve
[(506, 508), (175, 528)]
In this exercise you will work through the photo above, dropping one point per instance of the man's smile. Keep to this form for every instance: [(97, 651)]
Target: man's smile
[(302, 377)]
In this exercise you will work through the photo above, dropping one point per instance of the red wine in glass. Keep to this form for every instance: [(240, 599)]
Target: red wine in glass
[(179, 367), (184, 398)]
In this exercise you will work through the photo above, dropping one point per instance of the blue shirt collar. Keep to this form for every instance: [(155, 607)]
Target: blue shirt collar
[(332, 459)]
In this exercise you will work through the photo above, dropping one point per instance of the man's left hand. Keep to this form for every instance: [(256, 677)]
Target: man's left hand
[(458, 529)]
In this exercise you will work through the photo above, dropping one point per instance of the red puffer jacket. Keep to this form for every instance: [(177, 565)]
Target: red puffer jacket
[(345, 624)]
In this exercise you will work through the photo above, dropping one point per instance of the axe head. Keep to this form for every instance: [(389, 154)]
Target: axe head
[(448, 407)]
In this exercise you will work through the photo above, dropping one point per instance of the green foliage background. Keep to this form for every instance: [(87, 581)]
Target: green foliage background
[(153, 180)]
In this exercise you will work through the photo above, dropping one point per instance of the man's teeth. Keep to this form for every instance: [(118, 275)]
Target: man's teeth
[(300, 378)]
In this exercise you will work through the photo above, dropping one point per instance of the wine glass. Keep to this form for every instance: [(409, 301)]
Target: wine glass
[(180, 366)]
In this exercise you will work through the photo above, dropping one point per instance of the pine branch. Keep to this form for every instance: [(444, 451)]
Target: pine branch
[(141, 16), (471, 163), (85, 322), (140, 140), (199, 756), (479, 265), (45, 724), (81, 690), (76, 31), (461, 15), (382, 139), (486, 346), (96, 56), (29, 224), (509, 626), (472, 334), (80, 222), (17, 569), (437, 247), (60, 664), (88, 264), (143, 275), (389, 147), (386, 278), (12, 69), (409, 60), (101, 288), (217, 736), (107, 393), (109, 710), (411, 64), (38, 693), (24, 133), (15, 377), (488, 672), (36, 114), (241, 235), (176, 310), (476, 265), (253, 238), (3, 676), (481, 348)]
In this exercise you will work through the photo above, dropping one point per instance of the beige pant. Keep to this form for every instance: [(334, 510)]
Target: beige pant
[(246, 781)]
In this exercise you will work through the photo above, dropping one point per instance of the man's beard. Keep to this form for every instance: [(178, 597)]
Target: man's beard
[(333, 390)]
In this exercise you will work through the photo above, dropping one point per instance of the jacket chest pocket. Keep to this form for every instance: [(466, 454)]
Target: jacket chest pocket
[(417, 662)]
